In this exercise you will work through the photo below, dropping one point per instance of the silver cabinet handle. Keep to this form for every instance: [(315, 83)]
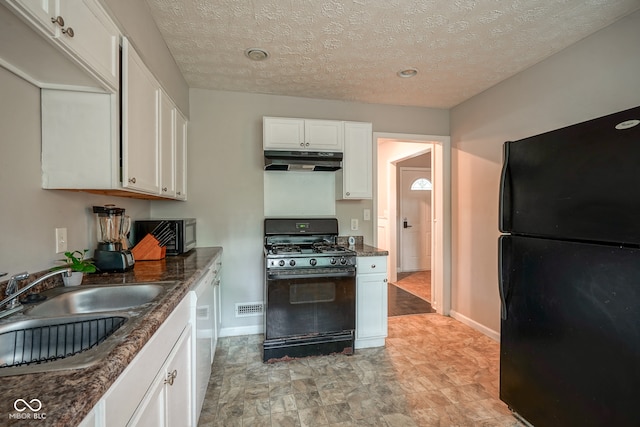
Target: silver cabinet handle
[(302, 144), (171, 376), (178, 193), (132, 180), (307, 144), (164, 189), (348, 193), (68, 31), (373, 266), (58, 20)]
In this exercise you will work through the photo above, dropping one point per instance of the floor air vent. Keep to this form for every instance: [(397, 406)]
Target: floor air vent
[(247, 309)]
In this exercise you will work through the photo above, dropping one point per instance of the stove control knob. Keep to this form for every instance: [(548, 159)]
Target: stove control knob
[(281, 263), (343, 261), (313, 261), (292, 262), (332, 260)]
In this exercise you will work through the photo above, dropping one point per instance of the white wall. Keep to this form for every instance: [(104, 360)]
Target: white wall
[(29, 214), (226, 177), (594, 77)]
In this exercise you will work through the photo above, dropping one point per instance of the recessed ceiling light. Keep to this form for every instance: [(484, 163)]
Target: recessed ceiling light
[(256, 54), (409, 72)]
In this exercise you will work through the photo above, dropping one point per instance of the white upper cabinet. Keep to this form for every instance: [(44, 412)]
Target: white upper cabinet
[(302, 134), (72, 44), (181, 156), (355, 179), (91, 38), (167, 133), (39, 13), (323, 135), (83, 147), (140, 124)]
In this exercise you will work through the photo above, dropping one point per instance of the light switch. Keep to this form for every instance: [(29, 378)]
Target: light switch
[(354, 224), (366, 215), (61, 240)]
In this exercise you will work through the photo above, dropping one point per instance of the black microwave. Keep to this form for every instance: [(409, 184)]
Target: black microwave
[(184, 230)]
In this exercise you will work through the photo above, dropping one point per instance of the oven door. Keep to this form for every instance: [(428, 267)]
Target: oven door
[(300, 304)]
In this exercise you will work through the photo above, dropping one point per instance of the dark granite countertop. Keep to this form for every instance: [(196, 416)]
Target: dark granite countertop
[(360, 247), (68, 396), (366, 250)]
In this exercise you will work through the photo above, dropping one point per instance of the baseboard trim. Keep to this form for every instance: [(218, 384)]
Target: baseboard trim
[(494, 335), (241, 330)]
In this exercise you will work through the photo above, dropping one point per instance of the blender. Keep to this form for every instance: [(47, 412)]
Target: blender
[(112, 226)]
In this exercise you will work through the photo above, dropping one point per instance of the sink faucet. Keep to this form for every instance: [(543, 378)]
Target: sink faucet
[(12, 293)]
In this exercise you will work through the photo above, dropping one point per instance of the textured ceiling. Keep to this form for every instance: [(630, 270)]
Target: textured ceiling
[(352, 49)]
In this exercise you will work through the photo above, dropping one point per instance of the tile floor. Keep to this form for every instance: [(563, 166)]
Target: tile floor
[(434, 371)]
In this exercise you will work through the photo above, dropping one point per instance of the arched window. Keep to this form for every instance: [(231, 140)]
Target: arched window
[(421, 184)]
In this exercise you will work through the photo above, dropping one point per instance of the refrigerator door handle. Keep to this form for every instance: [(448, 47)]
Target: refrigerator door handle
[(504, 214), (503, 243)]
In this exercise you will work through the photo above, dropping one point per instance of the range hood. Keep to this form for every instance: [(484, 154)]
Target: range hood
[(313, 161)]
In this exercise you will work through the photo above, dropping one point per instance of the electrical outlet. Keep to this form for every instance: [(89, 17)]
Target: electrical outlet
[(366, 215), (354, 224), (61, 240)]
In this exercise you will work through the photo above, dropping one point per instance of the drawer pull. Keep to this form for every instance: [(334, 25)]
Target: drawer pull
[(373, 266), (68, 31), (58, 20), (171, 376)]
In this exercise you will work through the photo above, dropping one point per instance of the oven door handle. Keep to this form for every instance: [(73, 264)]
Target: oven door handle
[(302, 274)]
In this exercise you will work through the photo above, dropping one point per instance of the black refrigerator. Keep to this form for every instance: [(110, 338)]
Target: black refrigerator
[(569, 274)]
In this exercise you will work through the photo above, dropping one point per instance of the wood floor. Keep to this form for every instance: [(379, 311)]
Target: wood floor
[(418, 283)]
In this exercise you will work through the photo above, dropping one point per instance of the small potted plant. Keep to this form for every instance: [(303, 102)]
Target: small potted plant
[(78, 264)]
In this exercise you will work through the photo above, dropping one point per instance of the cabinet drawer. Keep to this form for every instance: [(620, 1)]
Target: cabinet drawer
[(372, 264)]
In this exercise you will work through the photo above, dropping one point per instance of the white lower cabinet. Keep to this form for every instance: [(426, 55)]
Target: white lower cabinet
[(169, 399), (156, 388), (371, 302)]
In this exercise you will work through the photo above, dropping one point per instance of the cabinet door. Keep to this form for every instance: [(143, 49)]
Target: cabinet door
[(357, 165), (181, 156), (323, 135), (139, 124), (167, 134), (371, 307), (168, 402), (152, 410), (39, 13), (179, 380), (92, 38), (282, 133)]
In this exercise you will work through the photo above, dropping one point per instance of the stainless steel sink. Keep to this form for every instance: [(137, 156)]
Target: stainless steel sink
[(98, 299), (68, 342), (74, 328)]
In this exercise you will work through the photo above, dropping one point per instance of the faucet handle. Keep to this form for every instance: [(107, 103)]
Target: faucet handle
[(12, 286)]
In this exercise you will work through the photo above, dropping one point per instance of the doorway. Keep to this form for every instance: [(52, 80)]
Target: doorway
[(415, 213), (390, 150)]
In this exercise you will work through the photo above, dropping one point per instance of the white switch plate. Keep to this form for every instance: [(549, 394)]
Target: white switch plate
[(366, 215), (61, 240), (354, 224)]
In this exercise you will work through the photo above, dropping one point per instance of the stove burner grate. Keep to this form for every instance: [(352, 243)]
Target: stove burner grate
[(285, 249)]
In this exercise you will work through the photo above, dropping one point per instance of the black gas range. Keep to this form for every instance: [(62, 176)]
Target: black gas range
[(309, 289)]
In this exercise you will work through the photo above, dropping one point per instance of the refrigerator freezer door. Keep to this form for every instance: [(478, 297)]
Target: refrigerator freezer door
[(570, 340), (581, 182)]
